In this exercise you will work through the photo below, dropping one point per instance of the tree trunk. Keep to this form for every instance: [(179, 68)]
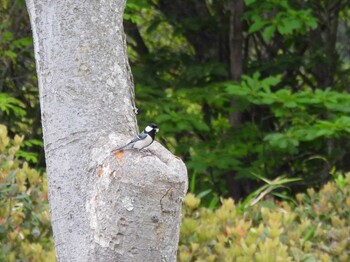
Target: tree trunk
[(104, 207), (235, 187)]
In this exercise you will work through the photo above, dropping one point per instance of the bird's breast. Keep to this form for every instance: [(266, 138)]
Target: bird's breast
[(143, 143)]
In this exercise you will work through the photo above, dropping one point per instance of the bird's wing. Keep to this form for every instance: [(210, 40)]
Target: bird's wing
[(141, 136)]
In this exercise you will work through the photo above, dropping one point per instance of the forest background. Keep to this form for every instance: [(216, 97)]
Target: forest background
[(250, 94)]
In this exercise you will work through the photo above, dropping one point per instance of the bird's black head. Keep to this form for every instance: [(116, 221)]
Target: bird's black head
[(151, 129)]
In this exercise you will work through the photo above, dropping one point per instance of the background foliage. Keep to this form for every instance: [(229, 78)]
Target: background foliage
[(25, 229), (260, 88), (242, 89), (19, 99)]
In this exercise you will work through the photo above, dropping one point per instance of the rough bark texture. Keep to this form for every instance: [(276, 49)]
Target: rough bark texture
[(104, 207)]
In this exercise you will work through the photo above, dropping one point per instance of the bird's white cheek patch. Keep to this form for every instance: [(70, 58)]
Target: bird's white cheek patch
[(148, 129)]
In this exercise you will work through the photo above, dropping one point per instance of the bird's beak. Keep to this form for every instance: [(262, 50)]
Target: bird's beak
[(157, 130)]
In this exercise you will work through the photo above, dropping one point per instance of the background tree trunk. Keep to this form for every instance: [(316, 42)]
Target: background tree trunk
[(236, 7), (123, 207)]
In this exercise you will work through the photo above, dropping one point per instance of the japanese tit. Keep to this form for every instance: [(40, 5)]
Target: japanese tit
[(143, 139)]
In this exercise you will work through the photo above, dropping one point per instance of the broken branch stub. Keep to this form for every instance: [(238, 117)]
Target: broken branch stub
[(135, 208)]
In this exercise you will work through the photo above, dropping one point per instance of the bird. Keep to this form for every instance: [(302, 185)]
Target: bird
[(142, 140)]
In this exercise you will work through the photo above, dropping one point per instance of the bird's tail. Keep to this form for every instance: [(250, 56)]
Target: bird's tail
[(120, 148)]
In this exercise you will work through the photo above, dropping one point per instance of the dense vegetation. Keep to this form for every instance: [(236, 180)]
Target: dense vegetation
[(259, 89), (25, 229), (316, 228), (241, 90)]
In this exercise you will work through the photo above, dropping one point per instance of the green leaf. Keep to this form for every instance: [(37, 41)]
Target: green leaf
[(214, 202), (309, 234), (10, 54), (193, 183), (200, 125), (28, 156), (237, 90), (204, 193), (288, 26), (290, 104), (269, 32), (249, 2), (7, 37), (270, 81), (8, 103), (324, 132), (23, 42), (256, 26)]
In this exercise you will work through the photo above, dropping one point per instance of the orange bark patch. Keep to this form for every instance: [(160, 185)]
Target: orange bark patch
[(119, 156), (99, 173)]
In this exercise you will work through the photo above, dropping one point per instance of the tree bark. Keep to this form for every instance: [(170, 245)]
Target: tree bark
[(235, 187), (104, 207)]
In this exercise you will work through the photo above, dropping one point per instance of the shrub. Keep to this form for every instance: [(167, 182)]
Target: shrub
[(25, 230), (315, 228)]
